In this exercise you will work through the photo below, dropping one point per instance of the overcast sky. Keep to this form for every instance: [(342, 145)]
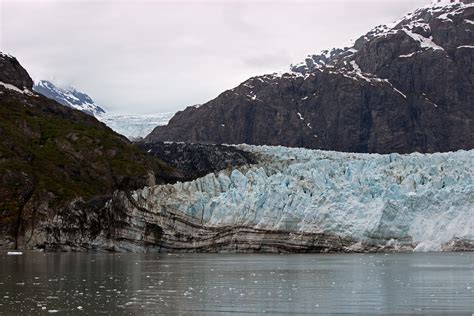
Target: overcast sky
[(151, 56)]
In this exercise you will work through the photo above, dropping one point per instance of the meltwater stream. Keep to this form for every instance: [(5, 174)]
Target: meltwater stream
[(78, 283)]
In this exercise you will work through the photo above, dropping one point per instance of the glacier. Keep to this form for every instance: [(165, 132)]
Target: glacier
[(135, 126), (420, 202)]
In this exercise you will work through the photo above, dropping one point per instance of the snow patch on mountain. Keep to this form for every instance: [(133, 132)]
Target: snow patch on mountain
[(342, 61), (423, 41), (69, 97), (16, 89), (421, 200), (415, 25)]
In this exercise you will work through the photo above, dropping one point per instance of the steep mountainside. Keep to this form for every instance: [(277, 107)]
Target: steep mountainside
[(53, 157), (400, 88), (69, 97)]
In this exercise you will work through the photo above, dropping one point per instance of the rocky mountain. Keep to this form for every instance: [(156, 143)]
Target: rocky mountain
[(13, 76), (53, 159), (69, 97), (400, 88)]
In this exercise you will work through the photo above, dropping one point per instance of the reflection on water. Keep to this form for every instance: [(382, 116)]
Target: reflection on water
[(243, 283)]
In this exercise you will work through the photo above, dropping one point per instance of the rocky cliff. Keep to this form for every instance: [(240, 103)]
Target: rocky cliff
[(198, 160), (400, 88), (12, 73)]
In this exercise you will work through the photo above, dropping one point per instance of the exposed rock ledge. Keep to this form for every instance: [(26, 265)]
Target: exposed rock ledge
[(197, 160), (295, 201)]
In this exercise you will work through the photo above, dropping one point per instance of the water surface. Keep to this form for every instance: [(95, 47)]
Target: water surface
[(76, 283)]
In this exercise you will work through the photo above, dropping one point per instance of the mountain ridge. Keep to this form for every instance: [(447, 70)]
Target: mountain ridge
[(69, 96), (401, 88)]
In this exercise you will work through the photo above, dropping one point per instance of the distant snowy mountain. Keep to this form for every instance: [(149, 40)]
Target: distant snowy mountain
[(69, 97), (132, 126), (135, 126)]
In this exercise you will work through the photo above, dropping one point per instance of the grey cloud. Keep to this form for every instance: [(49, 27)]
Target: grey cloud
[(156, 56)]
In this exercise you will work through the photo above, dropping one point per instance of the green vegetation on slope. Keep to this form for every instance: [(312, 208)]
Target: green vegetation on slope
[(52, 154)]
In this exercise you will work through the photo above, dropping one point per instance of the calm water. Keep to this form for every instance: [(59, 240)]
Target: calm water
[(73, 283)]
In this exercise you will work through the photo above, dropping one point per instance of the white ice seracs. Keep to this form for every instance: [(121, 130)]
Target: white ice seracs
[(425, 200), (135, 126)]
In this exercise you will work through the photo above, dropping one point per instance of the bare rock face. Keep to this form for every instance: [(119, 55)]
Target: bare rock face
[(400, 89), (197, 160), (126, 226), (13, 73)]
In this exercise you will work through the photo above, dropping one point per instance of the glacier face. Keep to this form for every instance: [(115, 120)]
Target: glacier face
[(135, 126), (425, 201)]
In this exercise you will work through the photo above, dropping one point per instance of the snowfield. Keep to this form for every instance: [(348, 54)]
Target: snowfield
[(424, 200), (135, 126)]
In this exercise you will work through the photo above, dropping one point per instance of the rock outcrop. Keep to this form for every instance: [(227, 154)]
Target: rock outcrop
[(197, 160), (13, 73), (402, 88)]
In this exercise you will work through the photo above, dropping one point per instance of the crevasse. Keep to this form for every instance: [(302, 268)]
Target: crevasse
[(423, 199)]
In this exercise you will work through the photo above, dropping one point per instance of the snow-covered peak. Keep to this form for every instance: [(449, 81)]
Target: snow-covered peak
[(443, 3), (416, 25), (436, 10), (69, 97), (2, 54)]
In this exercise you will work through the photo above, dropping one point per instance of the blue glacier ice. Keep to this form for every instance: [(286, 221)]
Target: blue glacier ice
[(423, 199)]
